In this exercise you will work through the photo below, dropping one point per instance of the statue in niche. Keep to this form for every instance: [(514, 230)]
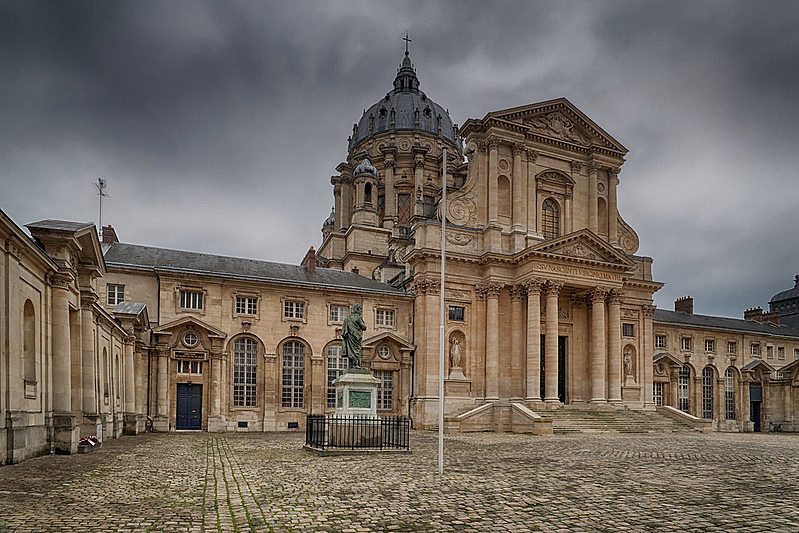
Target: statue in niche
[(628, 364), (351, 337), (455, 353)]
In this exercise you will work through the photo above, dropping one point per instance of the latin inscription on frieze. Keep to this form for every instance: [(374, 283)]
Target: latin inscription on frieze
[(576, 271)]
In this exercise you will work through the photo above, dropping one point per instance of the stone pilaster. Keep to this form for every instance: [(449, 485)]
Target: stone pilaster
[(593, 169), (389, 195), (613, 217), (493, 144), (614, 346), (129, 385), (597, 370), (552, 289), (337, 202), (533, 340), (418, 184), (645, 361), (517, 350), (519, 197), (161, 418), (64, 421)]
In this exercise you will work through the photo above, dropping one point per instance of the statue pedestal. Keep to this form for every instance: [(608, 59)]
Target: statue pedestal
[(356, 393)]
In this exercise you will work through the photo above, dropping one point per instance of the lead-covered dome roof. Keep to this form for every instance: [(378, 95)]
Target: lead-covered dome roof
[(398, 110)]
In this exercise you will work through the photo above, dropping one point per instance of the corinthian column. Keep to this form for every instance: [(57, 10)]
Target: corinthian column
[(645, 359), (614, 346), (552, 289), (533, 340), (613, 217), (597, 354), (492, 291), (593, 167), (517, 352)]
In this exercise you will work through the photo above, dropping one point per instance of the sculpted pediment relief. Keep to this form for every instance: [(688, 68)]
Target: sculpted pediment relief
[(585, 245), (558, 126)]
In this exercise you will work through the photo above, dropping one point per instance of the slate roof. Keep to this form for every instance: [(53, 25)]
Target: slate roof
[(789, 294), (129, 308), (663, 316), (122, 255), (59, 225)]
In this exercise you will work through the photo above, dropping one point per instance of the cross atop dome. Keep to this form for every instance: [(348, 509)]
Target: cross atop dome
[(407, 40)]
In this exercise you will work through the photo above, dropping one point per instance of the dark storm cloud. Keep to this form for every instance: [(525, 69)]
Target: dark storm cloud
[(218, 124)]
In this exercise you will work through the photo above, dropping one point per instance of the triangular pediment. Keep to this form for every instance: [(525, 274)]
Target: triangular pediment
[(666, 357), (583, 245), (372, 342), (791, 368), (559, 120), (758, 364), (171, 327)]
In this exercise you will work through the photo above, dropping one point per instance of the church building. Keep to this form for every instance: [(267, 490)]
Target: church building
[(548, 305)]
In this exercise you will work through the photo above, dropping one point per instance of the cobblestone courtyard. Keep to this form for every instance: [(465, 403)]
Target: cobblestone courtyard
[(266, 482)]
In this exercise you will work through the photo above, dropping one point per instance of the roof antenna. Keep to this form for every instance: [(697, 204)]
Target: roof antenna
[(100, 186)]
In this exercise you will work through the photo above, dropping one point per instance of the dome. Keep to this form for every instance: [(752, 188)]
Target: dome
[(365, 167), (398, 111), (789, 294), (331, 220)]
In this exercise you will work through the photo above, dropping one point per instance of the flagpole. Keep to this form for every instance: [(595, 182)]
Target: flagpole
[(441, 330)]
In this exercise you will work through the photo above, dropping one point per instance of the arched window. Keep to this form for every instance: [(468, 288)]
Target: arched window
[(707, 392), (293, 375), (336, 366), (683, 380), (117, 376), (550, 219), (245, 365), (104, 372), (29, 348), (503, 197), (602, 217), (367, 194), (729, 394)]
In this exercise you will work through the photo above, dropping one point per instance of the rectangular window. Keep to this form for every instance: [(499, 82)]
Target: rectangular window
[(780, 352), (429, 206), (660, 341), (190, 367), (796, 353), (457, 313), (246, 305), (755, 349), (338, 313), (732, 347), (293, 309), (116, 293), (191, 300), (710, 345), (245, 364), (385, 318), (385, 389), (770, 352), (657, 393), (336, 366), (293, 390), (404, 211), (628, 330), (685, 343)]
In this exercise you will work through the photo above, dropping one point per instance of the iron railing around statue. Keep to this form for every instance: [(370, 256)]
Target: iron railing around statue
[(331, 432)]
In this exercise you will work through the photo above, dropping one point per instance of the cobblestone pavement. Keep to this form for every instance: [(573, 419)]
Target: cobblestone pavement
[(492, 482)]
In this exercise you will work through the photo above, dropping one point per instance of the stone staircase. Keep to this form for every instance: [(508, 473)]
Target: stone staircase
[(570, 420)]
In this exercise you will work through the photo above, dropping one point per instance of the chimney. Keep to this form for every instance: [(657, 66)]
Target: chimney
[(309, 261), (772, 316), (109, 236), (684, 305), (355, 269), (754, 313)]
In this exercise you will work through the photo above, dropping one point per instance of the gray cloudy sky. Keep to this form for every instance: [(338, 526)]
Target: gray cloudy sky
[(218, 124)]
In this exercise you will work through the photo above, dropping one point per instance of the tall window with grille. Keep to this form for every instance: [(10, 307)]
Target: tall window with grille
[(336, 366), (550, 219), (685, 343), (191, 299), (293, 309), (660, 341), (707, 392), (404, 211), (245, 364), (385, 389), (657, 393), (246, 305), (729, 394), (384, 318), (293, 388), (683, 380)]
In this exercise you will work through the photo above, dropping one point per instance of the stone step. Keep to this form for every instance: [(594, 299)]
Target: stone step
[(612, 421)]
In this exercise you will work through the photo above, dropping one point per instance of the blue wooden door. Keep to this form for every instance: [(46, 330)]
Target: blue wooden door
[(189, 406)]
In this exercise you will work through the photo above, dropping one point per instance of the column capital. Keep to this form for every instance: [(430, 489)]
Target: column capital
[(532, 155), (553, 287), (613, 174), (517, 292), (425, 286), (389, 161), (577, 166), (615, 296), (61, 279), (597, 294), (518, 149), (648, 310), (482, 146), (490, 290), (577, 299), (534, 285), (492, 142), (593, 166)]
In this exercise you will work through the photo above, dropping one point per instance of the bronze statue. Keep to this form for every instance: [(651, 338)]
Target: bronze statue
[(351, 336)]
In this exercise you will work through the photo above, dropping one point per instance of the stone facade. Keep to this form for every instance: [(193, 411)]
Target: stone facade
[(547, 303)]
